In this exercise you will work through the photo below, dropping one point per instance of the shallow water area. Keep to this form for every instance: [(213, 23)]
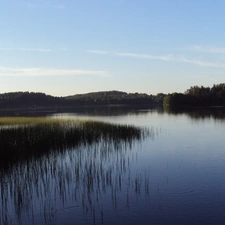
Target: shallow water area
[(174, 176)]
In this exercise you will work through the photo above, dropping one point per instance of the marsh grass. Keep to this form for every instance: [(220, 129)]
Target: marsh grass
[(76, 180), (67, 164), (22, 138)]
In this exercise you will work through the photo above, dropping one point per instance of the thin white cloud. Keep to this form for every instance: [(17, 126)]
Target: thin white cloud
[(169, 57), (174, 58), (4, 71), (26, 49), (203, 63), (205, 49), (97, 52)]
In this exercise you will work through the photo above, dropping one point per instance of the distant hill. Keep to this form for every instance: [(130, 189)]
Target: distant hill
[(36, 99), (110, 98), (198, 96), (195, 96), (27, 99)]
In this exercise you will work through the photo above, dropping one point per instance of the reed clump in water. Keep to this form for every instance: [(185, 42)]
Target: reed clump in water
[(21, 138)]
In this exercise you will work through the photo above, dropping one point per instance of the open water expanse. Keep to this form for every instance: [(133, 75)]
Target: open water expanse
[(176, 175)]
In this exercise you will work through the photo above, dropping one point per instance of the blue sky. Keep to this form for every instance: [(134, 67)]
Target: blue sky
[(65, 47)]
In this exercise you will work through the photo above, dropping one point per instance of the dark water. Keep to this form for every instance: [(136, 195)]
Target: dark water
[(176, 176)]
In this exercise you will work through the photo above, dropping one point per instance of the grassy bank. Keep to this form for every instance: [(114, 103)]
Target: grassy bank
[(22, 138)]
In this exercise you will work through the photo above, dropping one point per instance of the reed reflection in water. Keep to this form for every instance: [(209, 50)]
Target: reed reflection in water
[(81, 184)]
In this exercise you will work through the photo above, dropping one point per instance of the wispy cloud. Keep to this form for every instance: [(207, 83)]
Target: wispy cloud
[(97, 52), (169, 57), (202, 63), (26, 49), (175, 58), (205, 49), (4, 71)]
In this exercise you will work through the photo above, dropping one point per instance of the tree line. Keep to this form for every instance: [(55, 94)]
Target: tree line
[(113, 98), (194, 96), (36, 99), (27, 99), (198, 96)]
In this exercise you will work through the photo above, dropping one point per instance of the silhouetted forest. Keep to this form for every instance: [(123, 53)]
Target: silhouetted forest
[(198, 96), (34, 99), (194, 96), (27, 99), (113, 98)]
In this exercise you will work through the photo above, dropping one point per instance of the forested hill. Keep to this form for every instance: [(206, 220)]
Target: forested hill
[(198, 96), (35, 99), (115, 98), (27, 99), (194, 96)]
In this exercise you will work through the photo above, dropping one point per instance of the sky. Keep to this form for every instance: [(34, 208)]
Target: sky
[(67, 47)]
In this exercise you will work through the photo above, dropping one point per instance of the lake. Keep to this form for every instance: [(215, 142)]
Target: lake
[(175, 175)]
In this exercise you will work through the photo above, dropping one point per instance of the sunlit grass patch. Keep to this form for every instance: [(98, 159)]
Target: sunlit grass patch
[(10, 121)]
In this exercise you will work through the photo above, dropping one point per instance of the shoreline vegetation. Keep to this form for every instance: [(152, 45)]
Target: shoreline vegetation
[(22, 138), (47, 162), (195, 96), (35, 100)]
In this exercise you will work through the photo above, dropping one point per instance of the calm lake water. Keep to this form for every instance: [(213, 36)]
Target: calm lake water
[(174, 176)]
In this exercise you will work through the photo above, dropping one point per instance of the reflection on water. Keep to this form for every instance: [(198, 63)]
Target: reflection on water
[(85, 181), (198, 113), (195, 113), (176, 176)]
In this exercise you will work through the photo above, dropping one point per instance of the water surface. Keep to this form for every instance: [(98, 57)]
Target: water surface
[(175, 176)]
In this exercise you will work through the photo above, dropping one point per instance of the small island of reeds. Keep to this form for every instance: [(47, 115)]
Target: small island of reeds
[(22, 138)]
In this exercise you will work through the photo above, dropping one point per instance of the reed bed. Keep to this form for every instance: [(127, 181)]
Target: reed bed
[(62, 160), (44, 187), (22, 138)]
